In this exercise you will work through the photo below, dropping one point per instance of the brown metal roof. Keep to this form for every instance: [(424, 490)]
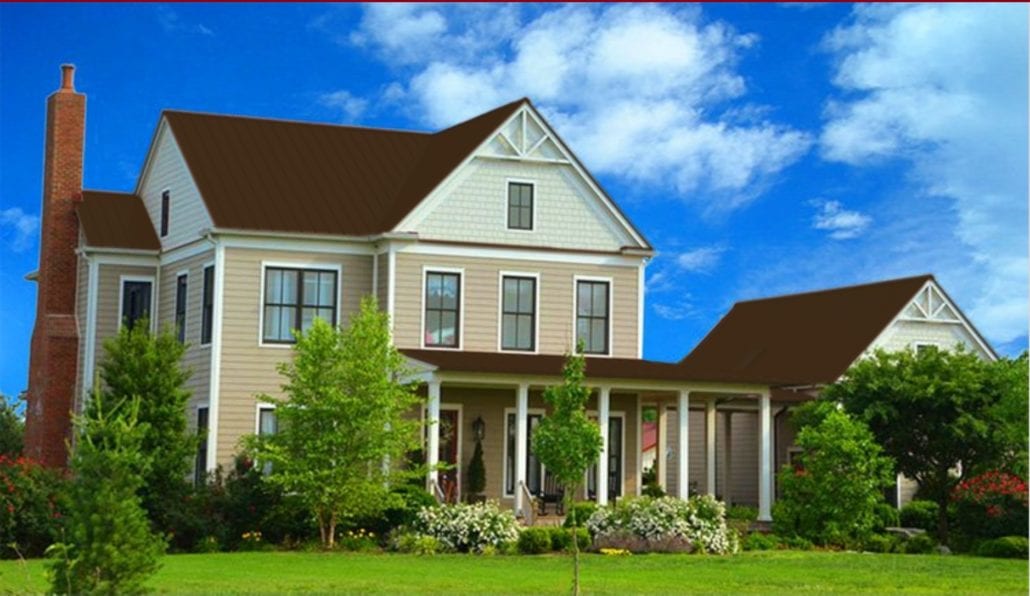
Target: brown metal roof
[(116, 220), (285, 176), (800, 339)]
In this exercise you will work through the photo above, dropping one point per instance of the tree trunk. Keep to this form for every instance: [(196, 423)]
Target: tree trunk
[(332, 530), (321, 529), (942, 506), (575, 542)]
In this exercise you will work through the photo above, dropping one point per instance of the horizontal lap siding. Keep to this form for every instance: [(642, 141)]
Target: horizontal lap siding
[(81, 298), (109, 311), (481, 301), (197, 357), (247, 368)]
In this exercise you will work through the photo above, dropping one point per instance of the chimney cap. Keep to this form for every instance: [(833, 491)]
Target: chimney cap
[(68, 77)]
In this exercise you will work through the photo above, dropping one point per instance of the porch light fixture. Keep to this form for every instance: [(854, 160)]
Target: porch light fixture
[(478, 428)]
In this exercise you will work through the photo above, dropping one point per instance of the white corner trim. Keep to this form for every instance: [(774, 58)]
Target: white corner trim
[(536, 310), (641, 290), (304, 265), (216, 356), (375, 276), (426, 269), (93, 285), (391, 283), (611, 314)]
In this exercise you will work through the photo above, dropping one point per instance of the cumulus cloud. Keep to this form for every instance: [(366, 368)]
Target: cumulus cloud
[(18, 228), (699, 260), (841, 223), (675, 312), (944, 88), (350, 106), (647, 93)]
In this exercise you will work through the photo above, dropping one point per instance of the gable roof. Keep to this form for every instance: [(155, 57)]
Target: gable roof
[(116, 220), (286, 176), (800, 339)]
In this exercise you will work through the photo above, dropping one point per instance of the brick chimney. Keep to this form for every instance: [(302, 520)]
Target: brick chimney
[(54, 356)]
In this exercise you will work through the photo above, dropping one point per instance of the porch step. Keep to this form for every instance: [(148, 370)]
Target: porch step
[(547, 521)]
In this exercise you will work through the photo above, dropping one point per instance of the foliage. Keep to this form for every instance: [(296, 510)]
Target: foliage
[(360, 540), (991, 505), (12, 428), (920, 544), (108, 546), (475, 477), (882, 543), (578, 514), (561, 540), (919, 514), (742, 513), (468, 527), (1006, 547), (566, 442), (698, 523), (761, 541), (1009, 416), (886, 516), (649, 481), (416, 544), (534, 541), (29, 508), (832, 495), (345, 415), (138, 363), (934, 409)]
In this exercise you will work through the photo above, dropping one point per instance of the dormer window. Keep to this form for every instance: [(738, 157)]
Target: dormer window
[(520, 206), (166, 200)]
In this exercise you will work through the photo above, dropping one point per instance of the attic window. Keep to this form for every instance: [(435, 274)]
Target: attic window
[(165, 206), (520, 206)]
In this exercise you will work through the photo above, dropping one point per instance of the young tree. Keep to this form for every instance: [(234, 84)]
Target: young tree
[(935, 412), (566, 442), (831, 498), (343, 415), (138, 363), (108, 547), (12, 427)]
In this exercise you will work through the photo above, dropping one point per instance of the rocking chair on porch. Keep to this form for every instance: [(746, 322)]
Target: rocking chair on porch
[(551, 493)]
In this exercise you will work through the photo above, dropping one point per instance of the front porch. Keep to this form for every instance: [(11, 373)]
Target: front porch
[(728, 433)]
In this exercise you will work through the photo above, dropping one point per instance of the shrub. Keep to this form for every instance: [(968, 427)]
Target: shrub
[(886, 517), (561, 539), (410, 499), (580, 513), (919, 514), (534, 541), (920, 544), (29, 507), (991, 505), (467, 527), (742, 513), (667, 523), (760, 541), (359, 540), (416, 544), (1007, 547), (475, 478), (882, 543), (796, 543)]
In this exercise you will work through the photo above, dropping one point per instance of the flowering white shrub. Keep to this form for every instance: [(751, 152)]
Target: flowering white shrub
[(699, 522), (468, 527)]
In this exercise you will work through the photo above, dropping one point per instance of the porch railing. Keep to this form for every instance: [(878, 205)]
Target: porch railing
[(528, 505)]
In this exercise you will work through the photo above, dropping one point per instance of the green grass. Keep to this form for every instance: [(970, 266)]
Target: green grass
[(755, 572)]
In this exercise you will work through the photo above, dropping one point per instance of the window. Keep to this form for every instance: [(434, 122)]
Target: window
[(180, 307), (165, 206), (293, 299), (520, 206), (208, 305), (518, 313), (135, 301), (200, 463), (924, 347), (442, 320), (267, 424), (534, 469), (592, 316)]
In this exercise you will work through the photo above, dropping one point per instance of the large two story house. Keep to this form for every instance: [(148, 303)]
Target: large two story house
[(491, 247)]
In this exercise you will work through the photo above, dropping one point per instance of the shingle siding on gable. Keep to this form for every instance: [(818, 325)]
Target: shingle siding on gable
[(168, 170), (474, 209), (906, 334)]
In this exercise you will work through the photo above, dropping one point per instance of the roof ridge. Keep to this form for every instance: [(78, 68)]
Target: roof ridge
[(924, 277), (273, 120)]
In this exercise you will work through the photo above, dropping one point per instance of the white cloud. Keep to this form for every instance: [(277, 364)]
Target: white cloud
[(675, 312), (647, 93), (700, 260), (19, 228), (944, 87), (840, 222), (350, 106)]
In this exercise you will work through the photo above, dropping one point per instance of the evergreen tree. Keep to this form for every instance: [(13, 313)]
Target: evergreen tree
[(476, 477)]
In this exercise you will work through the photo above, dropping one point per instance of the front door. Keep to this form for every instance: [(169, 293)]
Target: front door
[(450, 424)]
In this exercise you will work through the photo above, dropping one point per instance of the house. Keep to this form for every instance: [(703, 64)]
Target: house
[(491, 247)]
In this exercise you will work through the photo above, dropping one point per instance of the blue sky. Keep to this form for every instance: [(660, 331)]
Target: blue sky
[(763, 149)]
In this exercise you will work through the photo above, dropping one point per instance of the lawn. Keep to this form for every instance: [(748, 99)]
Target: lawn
[(755, 572)]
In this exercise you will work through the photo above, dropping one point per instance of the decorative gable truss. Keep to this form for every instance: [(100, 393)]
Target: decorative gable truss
[(524, 137), (930, 305)]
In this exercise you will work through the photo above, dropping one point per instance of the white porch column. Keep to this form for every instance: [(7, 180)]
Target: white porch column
[(603, 408), (710, 446), (765, 479), (727, 459), (521, 432), (683, 457), (433, 420), (662, 446)]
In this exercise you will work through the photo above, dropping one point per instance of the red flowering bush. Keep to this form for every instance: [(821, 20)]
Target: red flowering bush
[(29, 508), (991, 505)]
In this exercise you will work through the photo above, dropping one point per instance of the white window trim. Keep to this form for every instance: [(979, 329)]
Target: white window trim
[(186, 318), (592, 414), (500, 311), (460, 438), (153, 297), (305, 265), (214, 289), (462, 287), (504, 442), (532, 210), (258, 407), (611, 313)]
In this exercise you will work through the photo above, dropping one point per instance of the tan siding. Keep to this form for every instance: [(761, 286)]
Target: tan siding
[(480, 287), (247, 367), (81, 301), (197, 358), (187, 213), (108, 308)]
